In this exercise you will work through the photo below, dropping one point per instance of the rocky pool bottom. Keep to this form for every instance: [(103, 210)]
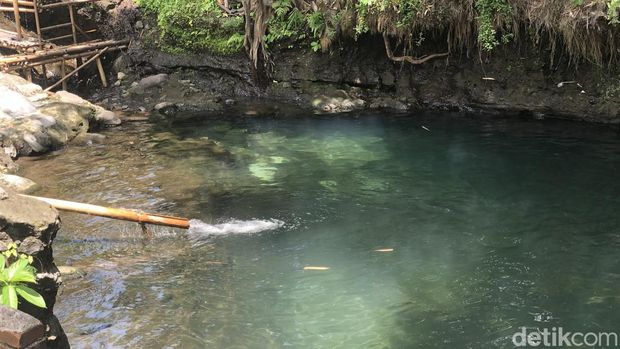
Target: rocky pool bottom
[(494, 224)]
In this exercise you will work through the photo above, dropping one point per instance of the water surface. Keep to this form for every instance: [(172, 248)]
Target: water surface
[(495, 224)]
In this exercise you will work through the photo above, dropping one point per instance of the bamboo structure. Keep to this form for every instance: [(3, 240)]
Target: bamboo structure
[(38, 51), (115, 213)]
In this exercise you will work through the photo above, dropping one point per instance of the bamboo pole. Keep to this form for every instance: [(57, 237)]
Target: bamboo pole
[(60, 51), (63, 75), (36, 19), (64, 78), (104, 81), (18, 24), (115, 213), (73, 30)]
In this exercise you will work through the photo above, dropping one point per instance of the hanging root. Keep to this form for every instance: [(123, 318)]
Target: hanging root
[(410, 59)]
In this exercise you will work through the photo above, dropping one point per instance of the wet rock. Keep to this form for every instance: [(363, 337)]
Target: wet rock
[(338, 104), (19, 330), (33, 225), (89, 139), (6, 163), (152, 81), (18, 184), (106, 117), (388, 103)]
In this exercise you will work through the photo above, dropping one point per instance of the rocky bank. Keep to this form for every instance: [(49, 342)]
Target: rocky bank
[(32, 225), (33, 122)]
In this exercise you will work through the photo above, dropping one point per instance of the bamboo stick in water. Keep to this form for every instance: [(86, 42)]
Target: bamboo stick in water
[(116, 213)]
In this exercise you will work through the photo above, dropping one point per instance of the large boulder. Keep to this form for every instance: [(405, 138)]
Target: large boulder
[(15, 104), (32, 225)]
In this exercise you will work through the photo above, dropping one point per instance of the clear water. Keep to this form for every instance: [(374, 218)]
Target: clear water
[(495, 224)]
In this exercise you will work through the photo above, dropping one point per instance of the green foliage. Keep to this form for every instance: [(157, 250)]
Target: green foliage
[(15, 271), (407, 9), (487, 11), (194, 26), (612, 11)]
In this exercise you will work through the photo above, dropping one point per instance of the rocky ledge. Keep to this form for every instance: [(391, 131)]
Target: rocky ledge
[(32, 225), (33, 121)]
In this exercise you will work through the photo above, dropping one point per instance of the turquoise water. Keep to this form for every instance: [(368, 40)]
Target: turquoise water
[(494, 224)]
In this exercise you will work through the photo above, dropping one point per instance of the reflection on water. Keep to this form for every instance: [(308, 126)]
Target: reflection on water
[(495, 224)]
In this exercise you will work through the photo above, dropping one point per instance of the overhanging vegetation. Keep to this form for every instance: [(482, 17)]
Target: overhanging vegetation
[(583, 29)]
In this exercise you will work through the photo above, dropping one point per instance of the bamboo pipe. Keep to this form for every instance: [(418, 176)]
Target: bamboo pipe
[(115, 213)]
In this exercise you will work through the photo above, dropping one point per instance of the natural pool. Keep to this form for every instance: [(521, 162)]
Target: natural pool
[(495, 224)]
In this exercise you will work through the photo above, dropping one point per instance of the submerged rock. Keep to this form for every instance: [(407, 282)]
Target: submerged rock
[(17, 183)]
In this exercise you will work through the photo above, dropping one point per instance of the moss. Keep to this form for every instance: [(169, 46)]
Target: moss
[(195, 26)]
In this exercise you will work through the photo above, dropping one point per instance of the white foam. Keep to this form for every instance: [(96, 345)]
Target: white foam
[(199, 229)]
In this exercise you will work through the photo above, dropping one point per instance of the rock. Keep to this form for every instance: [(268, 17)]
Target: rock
[(121, 63), (162, 105), (33, 225), (388, 103), (10, 151), (19, 330), (68, 97), (117, 83), (38, 97), (31, 246), (6, 163), (14, 104), (229, 102), (88, 139), (3, 194), (152, 81), (67, 270), (18, 84), (120, 75), (106, 117), (139, 25), (17, 183)]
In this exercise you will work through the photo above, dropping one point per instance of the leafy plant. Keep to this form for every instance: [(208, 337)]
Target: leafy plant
[(15, 271), (487, 10), (612, 11)]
